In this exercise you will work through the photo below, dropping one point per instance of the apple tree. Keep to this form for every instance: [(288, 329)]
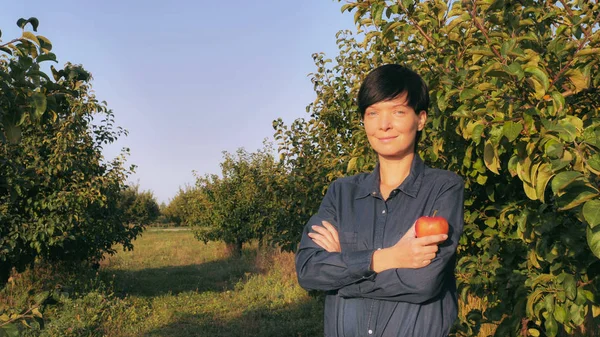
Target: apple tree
[(515, 111), (58, 194), (139, 207), (239, 205), (180, 208)]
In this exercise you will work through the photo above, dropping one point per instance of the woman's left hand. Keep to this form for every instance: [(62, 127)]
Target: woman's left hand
[(326, 237)]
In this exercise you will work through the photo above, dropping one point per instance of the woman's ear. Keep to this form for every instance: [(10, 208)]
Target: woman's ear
[(422, 120)]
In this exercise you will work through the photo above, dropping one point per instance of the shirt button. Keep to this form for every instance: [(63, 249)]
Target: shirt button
[(374, 193), (370, 332), (383, 212)]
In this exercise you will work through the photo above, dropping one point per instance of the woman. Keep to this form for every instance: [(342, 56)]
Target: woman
[(361, 246)]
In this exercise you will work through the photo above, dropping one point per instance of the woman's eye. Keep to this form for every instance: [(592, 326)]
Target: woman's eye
[(399, 112), (371, 113)]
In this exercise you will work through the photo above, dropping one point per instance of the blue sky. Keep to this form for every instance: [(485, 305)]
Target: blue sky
[(189, 79)]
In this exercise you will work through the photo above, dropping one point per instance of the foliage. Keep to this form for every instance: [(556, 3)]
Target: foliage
[(239, 205), (139, 208), (179, 208), (58, 195), (515, 111)]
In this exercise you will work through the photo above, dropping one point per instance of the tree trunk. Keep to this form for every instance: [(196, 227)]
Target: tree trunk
[(234, 248)]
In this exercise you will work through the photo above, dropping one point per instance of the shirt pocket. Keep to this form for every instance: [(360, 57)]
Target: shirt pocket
[(348, 241)]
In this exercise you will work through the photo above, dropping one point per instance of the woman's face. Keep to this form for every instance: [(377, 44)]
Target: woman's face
[(392, 126)]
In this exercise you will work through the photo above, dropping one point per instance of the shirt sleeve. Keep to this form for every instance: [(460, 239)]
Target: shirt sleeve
[(423, 284), (318, 269)]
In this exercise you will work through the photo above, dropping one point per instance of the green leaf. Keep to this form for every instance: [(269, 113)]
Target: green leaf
[(12, 133), (588, 51), (348, 7), (34, 23), (21, 23), (511, 130), (515, 69), (549, 302), (36, 312), (529, 190), (39, 102), (579, 80), (544, 174), (44, 42), (389, 28), (554, 149), (576, 196), (558, 101), (538, 88), (594, 162), (560, 314), (351, 165), (551, 326), (540, 75), (30, 36), (576, 314), (512, 165), (570, 286), (524, 170), (46, 57), (591, 212), (564, 179), (10, 330), (6, 50), (490, 157), (593, 240), (469, 93), (377, 12), (452, 24), (592, 136), (481, 179), (532, 299), (477, 132), (41, 297)]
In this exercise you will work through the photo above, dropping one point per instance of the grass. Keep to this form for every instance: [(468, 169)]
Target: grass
[(186, 288), (173, 285)]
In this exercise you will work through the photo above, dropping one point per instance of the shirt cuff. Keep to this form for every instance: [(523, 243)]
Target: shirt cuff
[(359, 263)]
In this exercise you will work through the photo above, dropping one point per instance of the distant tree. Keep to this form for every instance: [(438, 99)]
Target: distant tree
[(139, 208), (240, 205), (179, 208)]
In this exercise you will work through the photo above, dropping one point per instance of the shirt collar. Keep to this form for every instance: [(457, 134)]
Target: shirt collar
[(410, 186)]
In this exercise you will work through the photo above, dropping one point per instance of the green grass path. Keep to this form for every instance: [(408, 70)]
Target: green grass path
[(178, 286)]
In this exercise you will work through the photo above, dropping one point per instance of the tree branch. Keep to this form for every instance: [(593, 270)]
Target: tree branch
[(10, 42), (581, 45), (485, 34), (427, 37)]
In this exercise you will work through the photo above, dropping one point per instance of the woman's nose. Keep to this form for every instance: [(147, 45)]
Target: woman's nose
[(385, 122)]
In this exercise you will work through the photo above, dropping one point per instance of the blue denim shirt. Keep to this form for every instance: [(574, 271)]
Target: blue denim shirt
[(397, 302)]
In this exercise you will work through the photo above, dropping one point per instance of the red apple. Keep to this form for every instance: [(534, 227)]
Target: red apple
[(431, 225)]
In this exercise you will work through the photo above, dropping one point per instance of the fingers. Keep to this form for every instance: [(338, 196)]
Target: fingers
[(331, 230), (432, 239), (326, 237), (326, 232), (322, 241), (422, 251)]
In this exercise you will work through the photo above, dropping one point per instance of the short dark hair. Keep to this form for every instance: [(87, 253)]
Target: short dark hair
[(387, 82)]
